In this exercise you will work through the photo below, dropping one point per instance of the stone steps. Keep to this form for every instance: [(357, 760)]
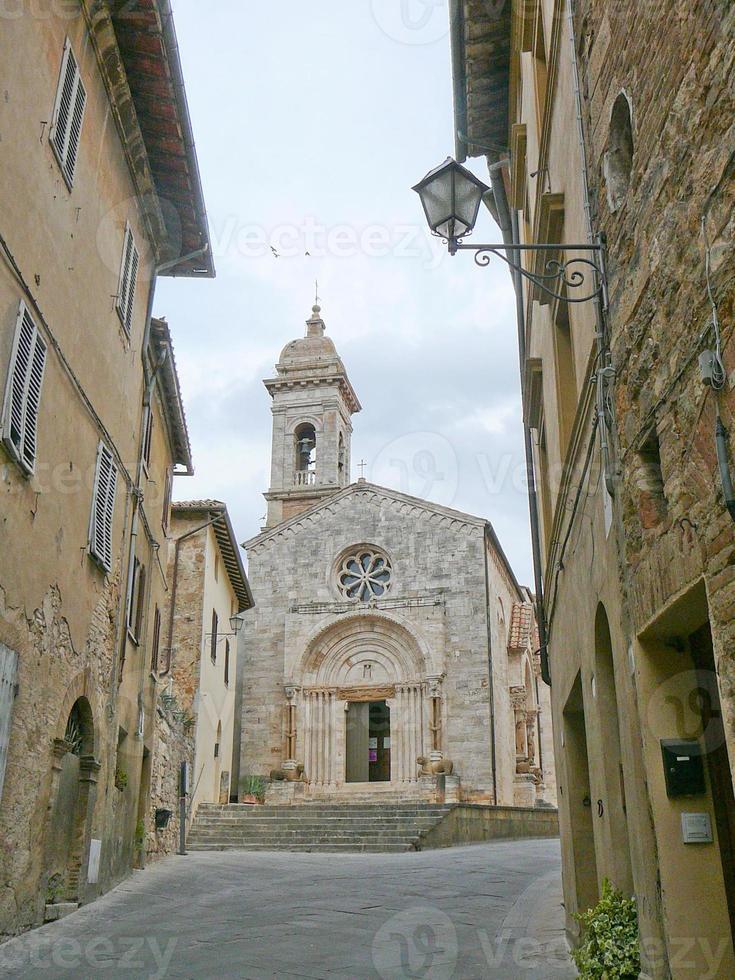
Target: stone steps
[(375, 826)]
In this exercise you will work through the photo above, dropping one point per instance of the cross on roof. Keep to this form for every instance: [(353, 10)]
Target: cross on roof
[(361, 466)]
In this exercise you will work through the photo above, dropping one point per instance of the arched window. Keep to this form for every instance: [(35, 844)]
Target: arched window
[(341, 458), (305, 449), (619, 155)]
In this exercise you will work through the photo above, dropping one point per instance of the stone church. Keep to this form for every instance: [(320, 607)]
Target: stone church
[(391, 649)]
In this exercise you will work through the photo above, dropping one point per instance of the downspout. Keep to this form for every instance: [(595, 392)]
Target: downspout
[(604, 367), (491, 684), (508, 223)]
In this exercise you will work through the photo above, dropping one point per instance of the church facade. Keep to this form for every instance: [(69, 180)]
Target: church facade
[(390, 648)]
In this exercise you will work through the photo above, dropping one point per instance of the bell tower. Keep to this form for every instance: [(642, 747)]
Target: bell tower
[(313, 405)]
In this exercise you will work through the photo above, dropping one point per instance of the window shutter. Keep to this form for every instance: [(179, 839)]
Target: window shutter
[(213, 639), (8, 680), (140, 604), (128, 276), (23, 394), (147, 436), (156, 639), (71, 99), (103, 506)]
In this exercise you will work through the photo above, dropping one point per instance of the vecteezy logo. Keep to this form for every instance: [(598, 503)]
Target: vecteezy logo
[(419, 943), (422, 464), (687, 704), (412, 21)]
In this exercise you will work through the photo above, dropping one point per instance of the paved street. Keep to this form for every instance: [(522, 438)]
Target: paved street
[(490, 910)]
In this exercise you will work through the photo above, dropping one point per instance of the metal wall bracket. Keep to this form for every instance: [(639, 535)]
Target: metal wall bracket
[(563, 277)]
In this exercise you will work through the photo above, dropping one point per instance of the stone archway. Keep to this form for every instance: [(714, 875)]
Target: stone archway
[(74, 772), (363, 658)]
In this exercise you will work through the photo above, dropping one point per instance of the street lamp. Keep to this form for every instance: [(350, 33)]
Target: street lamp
[(451, 198), (235, 623)]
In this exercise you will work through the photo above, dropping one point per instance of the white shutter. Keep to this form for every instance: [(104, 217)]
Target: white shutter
[(66, 129), (128, 276), (8, 680), (103, 507), (23, 392)]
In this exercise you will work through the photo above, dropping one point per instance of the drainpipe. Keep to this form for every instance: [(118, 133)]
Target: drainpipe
[(508, 223), (604, 367), (491, 684)]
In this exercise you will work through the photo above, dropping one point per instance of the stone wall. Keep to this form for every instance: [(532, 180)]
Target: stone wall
[(174, 744)]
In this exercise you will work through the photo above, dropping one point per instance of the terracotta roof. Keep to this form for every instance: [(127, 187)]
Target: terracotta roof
[(168, 383), (149, 51), (522, 626), (481, 43), (227, 542)]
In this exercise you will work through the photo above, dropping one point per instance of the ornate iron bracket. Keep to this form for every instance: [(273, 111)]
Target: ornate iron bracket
[(562, 275)]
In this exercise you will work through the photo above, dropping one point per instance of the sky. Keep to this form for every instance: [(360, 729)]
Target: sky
[(312, 123)]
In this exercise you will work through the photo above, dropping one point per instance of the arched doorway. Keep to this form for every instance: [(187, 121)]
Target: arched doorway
[(363, 708), (613, 806), (74, 778)]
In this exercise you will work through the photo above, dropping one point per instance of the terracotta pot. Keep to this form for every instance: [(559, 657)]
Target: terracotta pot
[(249, 798)]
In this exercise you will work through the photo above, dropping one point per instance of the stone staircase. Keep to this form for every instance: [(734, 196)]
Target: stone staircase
[(390, 825)]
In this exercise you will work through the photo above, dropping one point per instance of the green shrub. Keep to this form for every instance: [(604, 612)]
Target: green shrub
[(253, 786), (609, 949)]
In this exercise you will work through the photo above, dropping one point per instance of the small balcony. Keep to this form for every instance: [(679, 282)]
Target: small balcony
[(304, 478)]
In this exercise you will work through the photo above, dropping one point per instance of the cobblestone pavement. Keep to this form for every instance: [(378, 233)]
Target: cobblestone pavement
[(486, 911)]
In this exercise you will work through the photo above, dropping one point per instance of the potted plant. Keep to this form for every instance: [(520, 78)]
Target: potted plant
[(609, 948), (252, 789)]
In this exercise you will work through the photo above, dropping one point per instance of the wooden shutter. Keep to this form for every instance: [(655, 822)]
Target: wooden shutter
[(103, 506), (215, 627), (227, 661), (128, 276), (8, 681), (23, 392), (148, 436), (66, 129), (168, 490), (140, 604), (156, 639)]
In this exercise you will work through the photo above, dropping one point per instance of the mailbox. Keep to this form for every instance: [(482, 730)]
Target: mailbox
[(683, 767)]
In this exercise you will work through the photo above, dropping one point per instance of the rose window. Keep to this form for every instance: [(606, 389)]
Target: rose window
[(364, 576)]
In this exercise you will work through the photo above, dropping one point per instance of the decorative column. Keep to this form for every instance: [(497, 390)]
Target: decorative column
[(518, 701), (291, 724), (435, 714)]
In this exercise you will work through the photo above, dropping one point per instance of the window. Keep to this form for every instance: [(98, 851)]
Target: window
[(126, 286), (305, 437), (215, 627), (652, 504), (227, 662), (216, 568), (136, 601), (23, 392), (103, 506), (156, 644), (364, 575), (618, 162), (147, 435), (66, 126)]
